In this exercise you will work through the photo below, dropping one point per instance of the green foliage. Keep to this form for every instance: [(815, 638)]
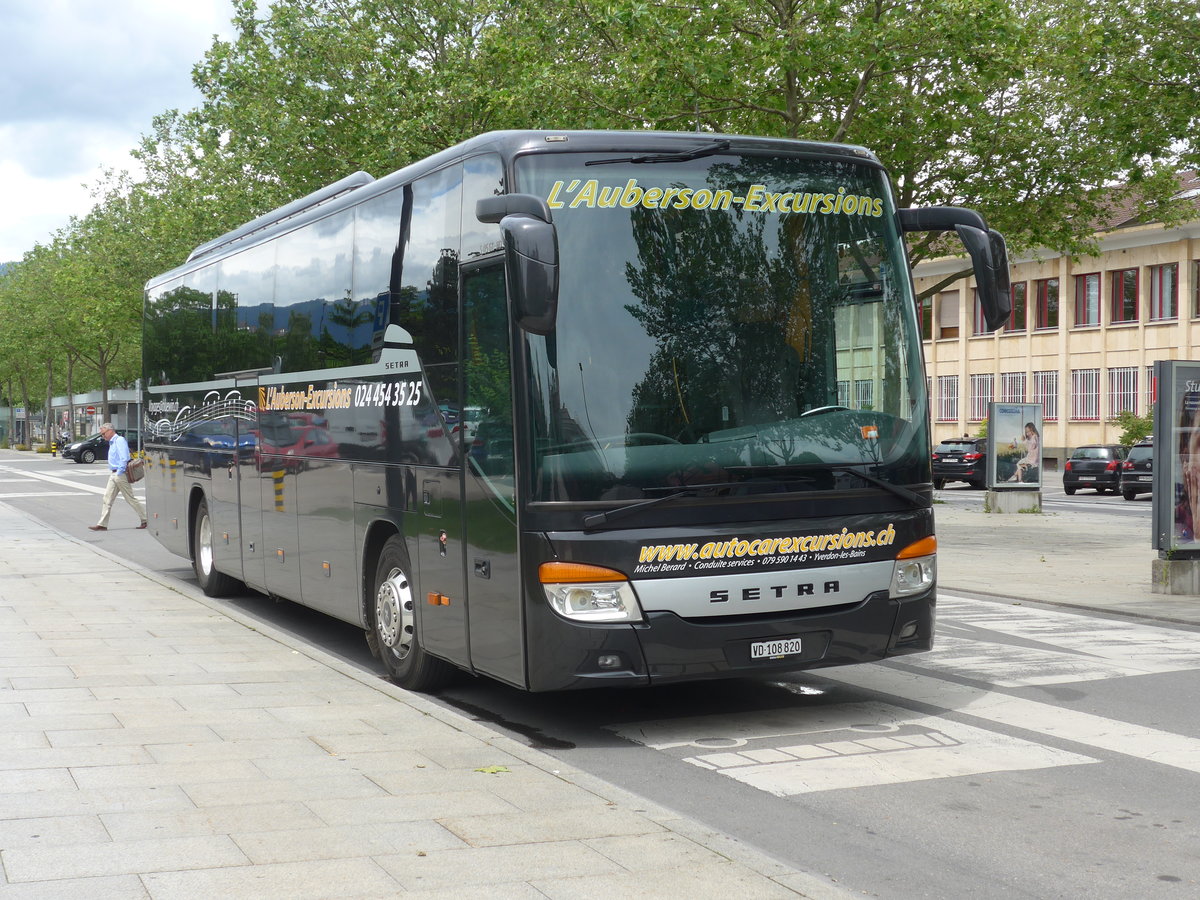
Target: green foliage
[(1026, 111), (1133, 427)]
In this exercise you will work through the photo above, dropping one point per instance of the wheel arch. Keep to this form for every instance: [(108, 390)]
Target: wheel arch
[(378, 532)]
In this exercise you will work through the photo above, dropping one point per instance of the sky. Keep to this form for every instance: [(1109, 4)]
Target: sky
[(80, 82)]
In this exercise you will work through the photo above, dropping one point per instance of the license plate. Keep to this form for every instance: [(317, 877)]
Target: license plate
[(1087, 477), (1145, 478), (774, 649)]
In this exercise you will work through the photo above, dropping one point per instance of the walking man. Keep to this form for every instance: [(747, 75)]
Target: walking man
[(118, 459)]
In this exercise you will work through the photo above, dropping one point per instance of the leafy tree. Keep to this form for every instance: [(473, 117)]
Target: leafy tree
[(1028, 112), (1133, 427)]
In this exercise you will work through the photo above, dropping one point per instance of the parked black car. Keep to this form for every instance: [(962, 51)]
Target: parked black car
[(1137, 471), (95, 447), (960, 459), (1094, 466)]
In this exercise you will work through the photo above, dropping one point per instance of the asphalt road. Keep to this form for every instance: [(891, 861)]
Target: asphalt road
[(1035, 752)]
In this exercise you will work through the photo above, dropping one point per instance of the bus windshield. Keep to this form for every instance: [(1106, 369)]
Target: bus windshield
[(730, 323)]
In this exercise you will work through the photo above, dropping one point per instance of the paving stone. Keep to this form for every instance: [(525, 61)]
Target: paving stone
[(124, 858), (34, 804), (249, 817), (116, 737), (346, 842), (51, 757), (718, 880), (17, 781), (550, 825), (166, 774), (439, 806), (463, 868), (267, 790), (51, 831), (120, 887), (314, 880)]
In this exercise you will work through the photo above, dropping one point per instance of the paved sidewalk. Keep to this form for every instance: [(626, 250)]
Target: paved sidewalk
[(1081, 559), (154, 745)]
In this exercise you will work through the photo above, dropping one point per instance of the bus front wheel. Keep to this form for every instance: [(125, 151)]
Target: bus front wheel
[(393, 633)]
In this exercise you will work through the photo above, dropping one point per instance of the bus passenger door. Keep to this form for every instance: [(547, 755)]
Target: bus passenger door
[(489, 495)]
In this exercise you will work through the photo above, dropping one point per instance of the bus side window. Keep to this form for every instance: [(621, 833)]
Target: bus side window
[(425, 302)]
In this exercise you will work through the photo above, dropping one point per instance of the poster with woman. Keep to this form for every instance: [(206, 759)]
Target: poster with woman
[(1176, 391), (1015, 446)]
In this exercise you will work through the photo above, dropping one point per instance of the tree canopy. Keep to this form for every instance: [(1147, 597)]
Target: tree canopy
[(1038, 114)]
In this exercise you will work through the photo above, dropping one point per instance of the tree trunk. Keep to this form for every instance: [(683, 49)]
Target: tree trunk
[(51, 425)]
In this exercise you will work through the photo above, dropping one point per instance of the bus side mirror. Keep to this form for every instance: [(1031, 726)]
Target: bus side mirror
[(986, 247), (531, 256)]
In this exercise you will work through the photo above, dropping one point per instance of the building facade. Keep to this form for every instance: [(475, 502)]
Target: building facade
[(1082, 339)]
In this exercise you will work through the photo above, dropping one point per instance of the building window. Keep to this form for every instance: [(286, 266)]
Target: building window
[(1045, 392), (1125, 295), (982, 392), (1017, 320), (1163, 290), (864, 393), (926, 310), (1122, 390), (947, 398), (1087, 300), (1195, 288), (1012, 387), (1047, 303), (978, 325), (948, 314), (1085, 395)]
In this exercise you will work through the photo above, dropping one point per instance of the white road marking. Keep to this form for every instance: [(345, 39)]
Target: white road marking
[(801, 751), (1068, 653), (798, 750), (19, 496), (1099, 732), (52, 479)]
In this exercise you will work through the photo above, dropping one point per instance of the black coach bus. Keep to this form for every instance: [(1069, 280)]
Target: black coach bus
[(566, 408)]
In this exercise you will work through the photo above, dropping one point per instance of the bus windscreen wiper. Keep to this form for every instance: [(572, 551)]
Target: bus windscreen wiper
[(904, 493), (595, 520), (603, 518), (706, 150)]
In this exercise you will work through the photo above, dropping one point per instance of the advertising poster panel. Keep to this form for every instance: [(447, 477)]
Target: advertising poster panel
[(1014, 447), (1177, 457)]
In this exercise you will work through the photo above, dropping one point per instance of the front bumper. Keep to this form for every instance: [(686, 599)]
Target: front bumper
[(667, 648)]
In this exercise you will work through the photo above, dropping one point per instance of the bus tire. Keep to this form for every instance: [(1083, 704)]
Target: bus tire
[(392, 621), (212, 582)]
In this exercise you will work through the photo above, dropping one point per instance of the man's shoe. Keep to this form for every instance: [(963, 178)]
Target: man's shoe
[(143, 525), (97, 528)]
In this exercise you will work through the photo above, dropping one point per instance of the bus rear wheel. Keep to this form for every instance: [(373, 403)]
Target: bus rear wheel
[(212, 582), (393, 635)]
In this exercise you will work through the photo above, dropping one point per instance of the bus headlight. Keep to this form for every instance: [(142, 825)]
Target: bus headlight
[(586, 593), (915, 569)]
